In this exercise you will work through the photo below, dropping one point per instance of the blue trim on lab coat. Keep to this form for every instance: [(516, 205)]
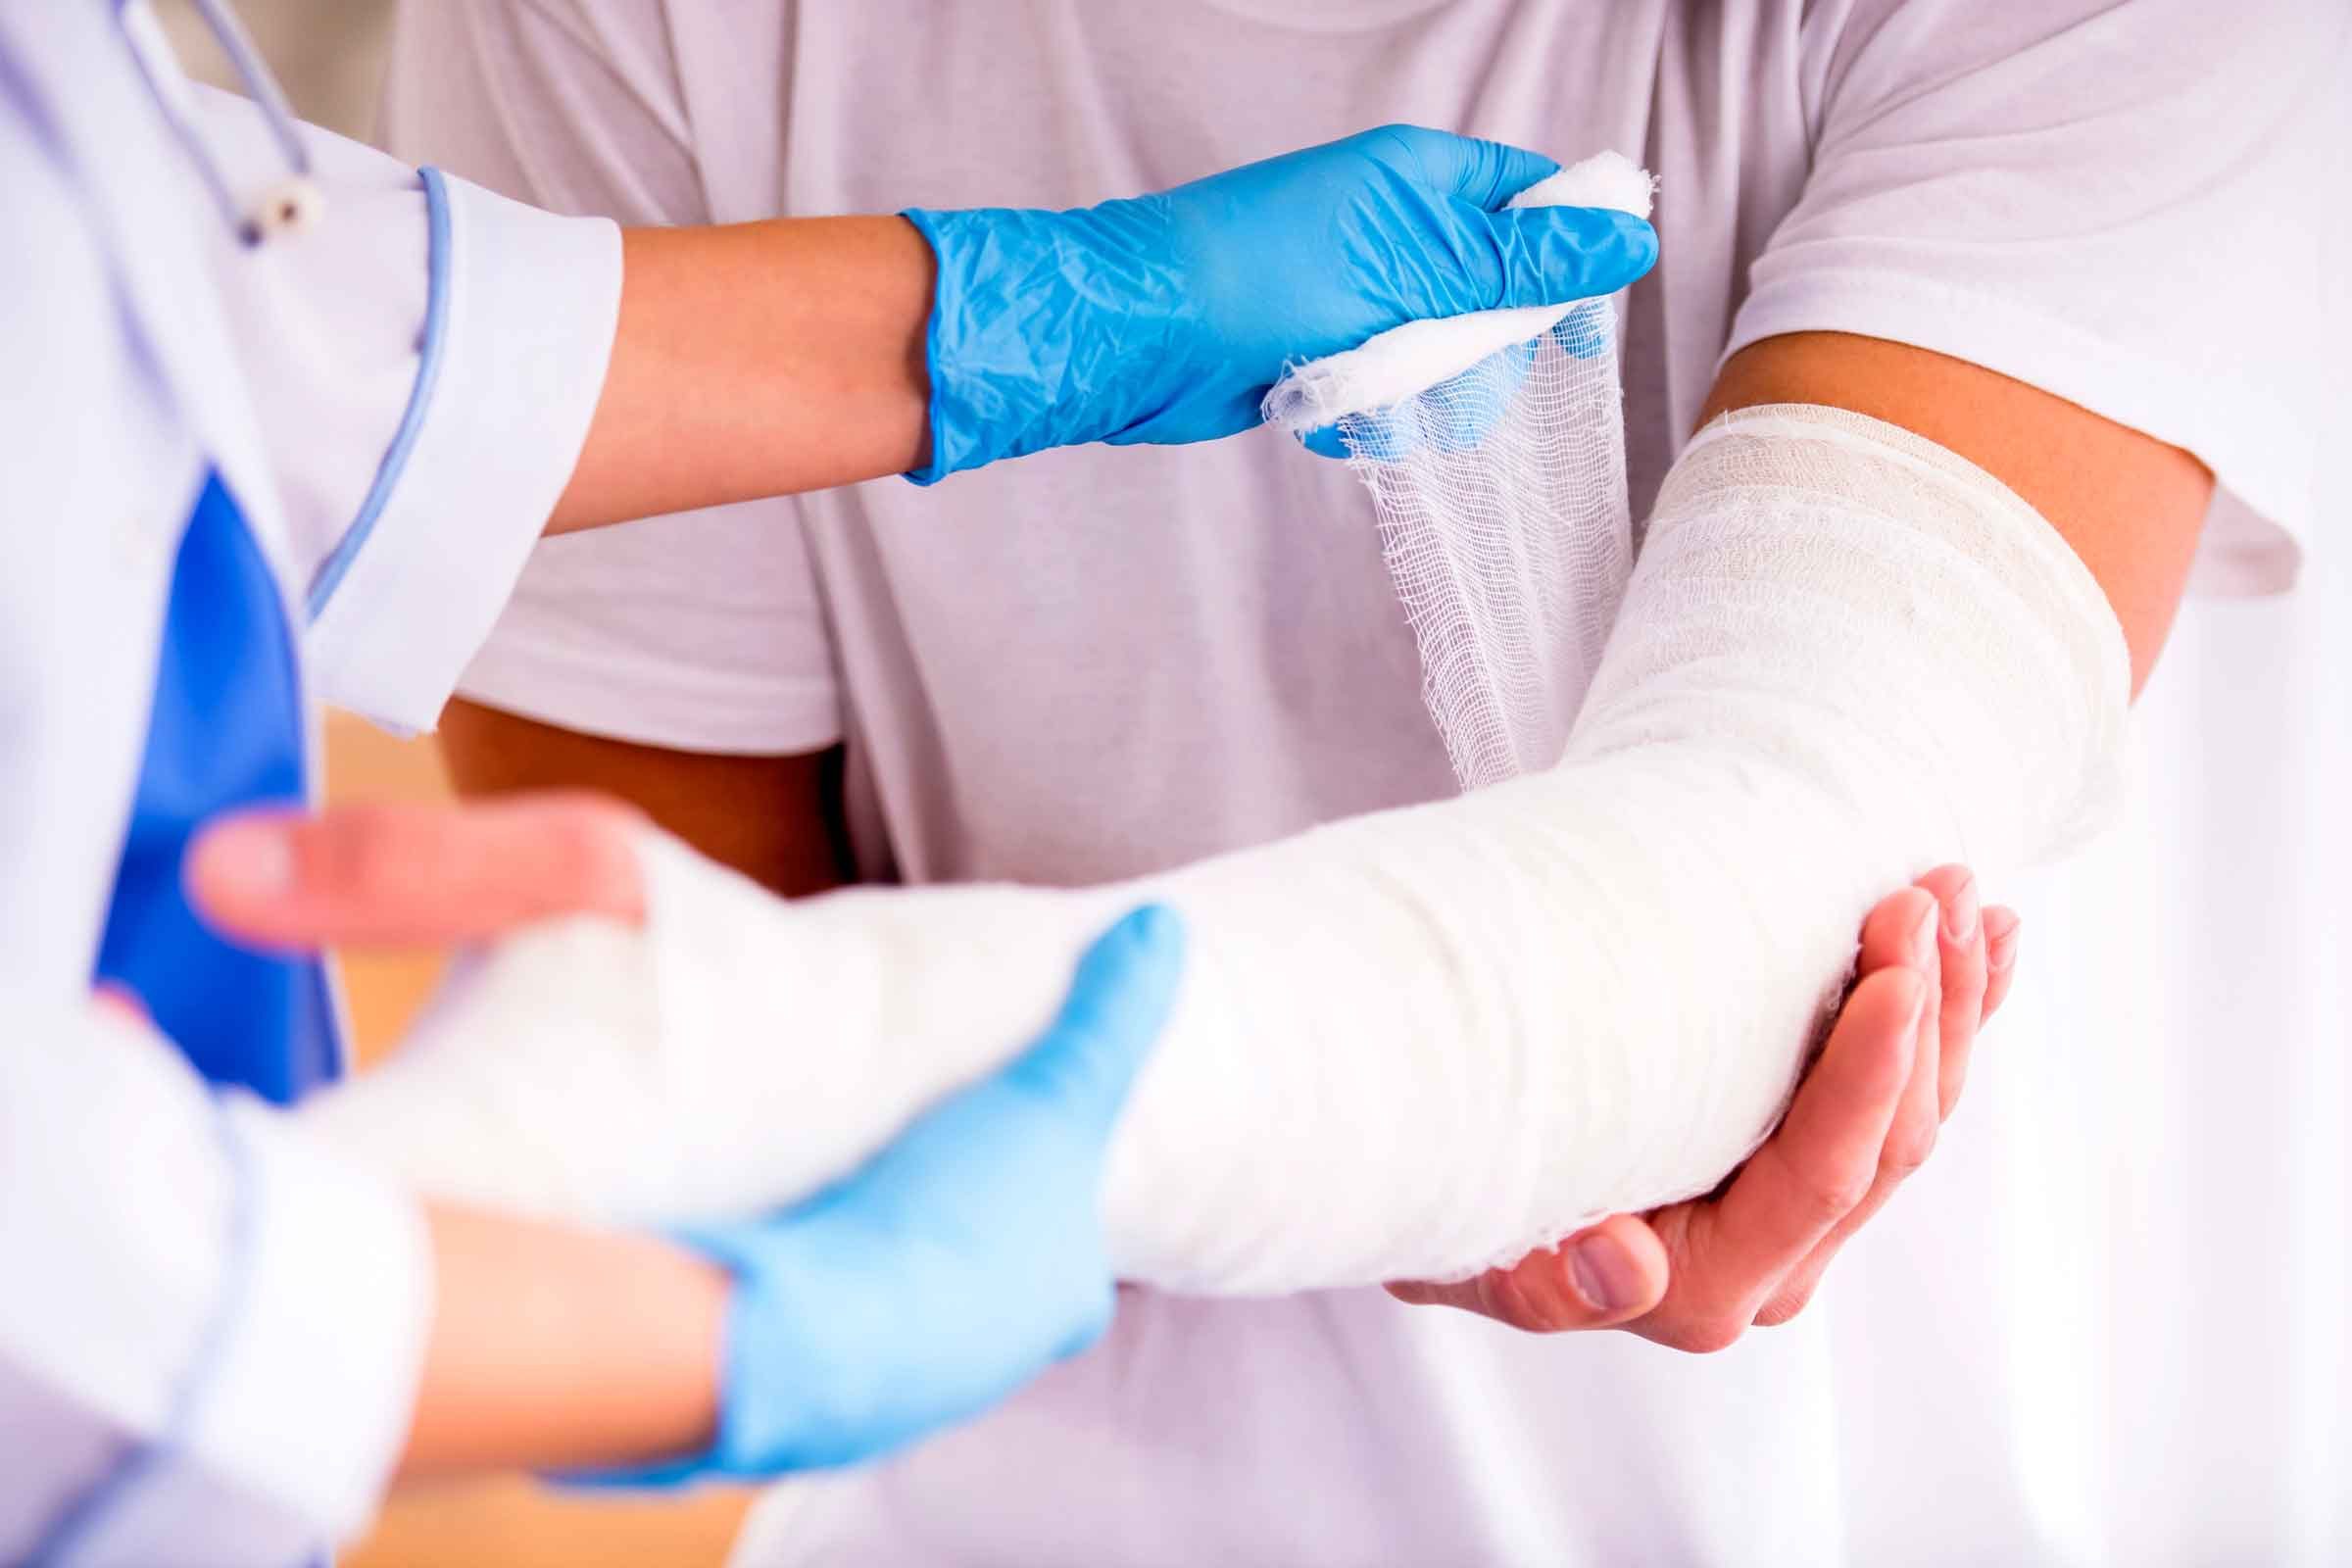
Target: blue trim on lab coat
[(329, 575)]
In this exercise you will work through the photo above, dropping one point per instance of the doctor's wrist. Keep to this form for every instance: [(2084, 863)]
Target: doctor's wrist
[(557, 1348), (1047, 328)]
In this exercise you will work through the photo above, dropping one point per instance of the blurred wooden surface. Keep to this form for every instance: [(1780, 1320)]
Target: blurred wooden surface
[(514, 1522)]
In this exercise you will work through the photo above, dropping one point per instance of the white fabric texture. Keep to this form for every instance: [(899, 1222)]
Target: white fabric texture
[(1494, 446), (1407, 1045)]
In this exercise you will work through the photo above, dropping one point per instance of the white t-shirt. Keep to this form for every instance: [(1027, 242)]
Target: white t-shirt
[(1095, 662)]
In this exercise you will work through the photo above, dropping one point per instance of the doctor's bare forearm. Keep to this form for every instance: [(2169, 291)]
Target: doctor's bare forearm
[(557, 1348), (757, 360)]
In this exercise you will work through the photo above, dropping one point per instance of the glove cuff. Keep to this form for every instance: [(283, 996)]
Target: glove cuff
[(1020, 357), (952, 447)]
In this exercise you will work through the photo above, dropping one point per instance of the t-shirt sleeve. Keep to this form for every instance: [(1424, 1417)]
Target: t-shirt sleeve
[(704, 630), (2114, 203)]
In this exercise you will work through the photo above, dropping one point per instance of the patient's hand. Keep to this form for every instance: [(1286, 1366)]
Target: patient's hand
[(1695, 1275)]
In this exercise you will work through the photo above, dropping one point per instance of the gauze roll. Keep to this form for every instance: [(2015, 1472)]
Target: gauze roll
[(1411, 1044), (1494, 446)]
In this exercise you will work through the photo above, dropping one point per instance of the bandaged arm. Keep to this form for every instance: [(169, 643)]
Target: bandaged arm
[(1408, 1044)]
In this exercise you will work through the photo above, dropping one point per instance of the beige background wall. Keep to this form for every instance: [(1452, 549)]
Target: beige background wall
[(329, 56)]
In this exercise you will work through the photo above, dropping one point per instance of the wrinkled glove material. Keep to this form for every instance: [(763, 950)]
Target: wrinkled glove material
[(1166, 318)]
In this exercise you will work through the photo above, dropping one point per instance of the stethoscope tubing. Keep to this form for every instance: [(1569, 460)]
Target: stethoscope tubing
[(292, 201)]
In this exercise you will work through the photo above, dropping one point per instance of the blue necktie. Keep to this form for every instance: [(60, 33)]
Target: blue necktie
[(226, 730)]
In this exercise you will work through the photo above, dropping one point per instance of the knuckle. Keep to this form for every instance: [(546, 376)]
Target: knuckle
[(1529, 1310), (1501, 1298), (1829, 1196), (1909, 1146), (1399, 139)]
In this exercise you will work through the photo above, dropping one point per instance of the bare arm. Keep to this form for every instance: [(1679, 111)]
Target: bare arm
[(773, 818), (757, 360)]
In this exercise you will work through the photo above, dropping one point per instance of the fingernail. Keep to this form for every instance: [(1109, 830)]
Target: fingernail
[(2001, 944), (1960, 916), (1923, 936), (254, 859), (1604, 1276)]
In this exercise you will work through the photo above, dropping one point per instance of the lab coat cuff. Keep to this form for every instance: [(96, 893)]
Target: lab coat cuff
[(517, 336), (316, 1379)]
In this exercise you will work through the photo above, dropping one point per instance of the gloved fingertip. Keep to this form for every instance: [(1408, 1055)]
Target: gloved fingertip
[(1586, 330), (1555, 254), (1119, 1001), (1325, 442), (1639, 239), (1143, 949)]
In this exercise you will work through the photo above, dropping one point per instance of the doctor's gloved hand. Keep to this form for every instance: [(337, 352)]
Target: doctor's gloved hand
[(958, 1263), (1166, 317)]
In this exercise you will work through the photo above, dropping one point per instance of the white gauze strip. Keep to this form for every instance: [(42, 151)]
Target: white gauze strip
[(1409, 1044), (1493, 445)]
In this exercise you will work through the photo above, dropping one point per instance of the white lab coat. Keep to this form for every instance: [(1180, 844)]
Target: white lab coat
[(209, 1331)]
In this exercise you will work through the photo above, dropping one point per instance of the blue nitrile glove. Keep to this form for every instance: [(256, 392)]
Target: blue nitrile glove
[(955, 1265), (1472, 403), (1167, 318)]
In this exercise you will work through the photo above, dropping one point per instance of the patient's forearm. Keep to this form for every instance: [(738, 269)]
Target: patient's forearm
[(1409, 1044)]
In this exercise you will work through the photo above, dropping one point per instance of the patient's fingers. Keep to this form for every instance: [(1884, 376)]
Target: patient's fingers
[(1732, 1255), (398, 875), (2001, 926), (1912, 1138), (1899, 934), (1964, 968), (1710, 1265), (1602, 1276)]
